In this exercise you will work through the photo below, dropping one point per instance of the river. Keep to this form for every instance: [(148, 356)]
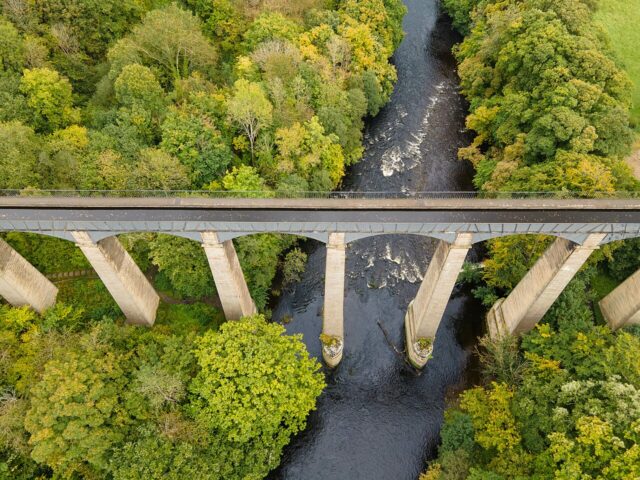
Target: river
[(379, 419)]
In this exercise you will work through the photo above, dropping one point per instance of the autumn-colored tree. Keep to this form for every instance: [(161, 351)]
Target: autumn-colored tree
[(250, 108), (570, 412)]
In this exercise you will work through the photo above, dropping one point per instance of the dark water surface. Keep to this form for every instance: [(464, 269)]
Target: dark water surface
[(379, 419)]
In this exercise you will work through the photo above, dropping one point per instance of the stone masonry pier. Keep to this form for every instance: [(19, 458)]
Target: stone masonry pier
[(622, 306), (426, 310), (333, 312), (541, 286), (228, 277), (126, 283), (21, 284)]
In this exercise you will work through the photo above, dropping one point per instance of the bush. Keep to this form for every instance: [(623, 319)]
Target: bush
[(501, 359)]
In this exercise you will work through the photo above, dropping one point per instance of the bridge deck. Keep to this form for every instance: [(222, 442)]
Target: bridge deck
[(316, 203), (316, 218)]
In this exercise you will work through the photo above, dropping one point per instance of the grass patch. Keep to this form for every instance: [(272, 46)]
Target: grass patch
[(621, 19), (194, 317), (90, 295), (93, 297)]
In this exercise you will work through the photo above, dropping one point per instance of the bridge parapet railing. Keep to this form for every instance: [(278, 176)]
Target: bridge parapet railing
[(353, 195)]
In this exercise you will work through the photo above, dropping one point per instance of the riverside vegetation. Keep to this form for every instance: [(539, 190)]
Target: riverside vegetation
[(193, 95), (550, 109)]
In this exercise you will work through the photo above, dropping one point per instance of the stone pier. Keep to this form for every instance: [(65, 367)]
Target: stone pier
[(228, 277), (622, 306), (333, 314), (541, 286), (126, 283), (426, 310), (21, 284)]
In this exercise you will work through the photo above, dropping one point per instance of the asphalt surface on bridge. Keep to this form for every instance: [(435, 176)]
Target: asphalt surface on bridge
[(90, 209)]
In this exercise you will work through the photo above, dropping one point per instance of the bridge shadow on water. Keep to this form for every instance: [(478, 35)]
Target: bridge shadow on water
[(379, 419)]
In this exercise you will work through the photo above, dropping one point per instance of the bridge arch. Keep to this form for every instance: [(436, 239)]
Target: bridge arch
[(578, 238), (354, 237)]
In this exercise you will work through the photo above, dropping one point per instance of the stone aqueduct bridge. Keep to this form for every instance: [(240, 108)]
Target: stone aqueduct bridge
[(580, 226)]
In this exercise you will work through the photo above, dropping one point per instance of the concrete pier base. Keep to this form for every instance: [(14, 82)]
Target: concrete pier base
[(622, 306), (540, 287), (228, 277), (333, 315), (426, 310), (126, 283), (21, 284)]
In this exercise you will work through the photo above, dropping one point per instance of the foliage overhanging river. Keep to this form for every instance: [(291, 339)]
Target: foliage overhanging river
[(378, 419)]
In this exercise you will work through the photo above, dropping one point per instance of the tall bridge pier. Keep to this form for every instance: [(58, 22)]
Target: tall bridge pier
[(228, 277), (426, 310), (125, 281), (333, 311), (580, 226), (541, 286), (21, 284), (622, 306)]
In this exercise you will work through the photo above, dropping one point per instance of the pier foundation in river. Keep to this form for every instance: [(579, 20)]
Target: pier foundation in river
[(333, 312), (426, 310)]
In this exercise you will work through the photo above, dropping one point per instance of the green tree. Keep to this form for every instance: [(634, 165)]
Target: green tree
[(223, 22), (19, 150), (137, 86), (155, 456), (305, 148), (259, 257), (184, 264), (92, 24), (255, 388), (244, 179), (293, 267), (540, 104), (170, 42), (572, 412), (61, 164), (270, 26), (191, 136), (157, 170), (49, 99), (626, 260), (141, 101), (461, 11), (11, 47)]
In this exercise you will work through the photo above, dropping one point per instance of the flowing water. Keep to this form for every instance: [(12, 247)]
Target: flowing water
[(378, 418)]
